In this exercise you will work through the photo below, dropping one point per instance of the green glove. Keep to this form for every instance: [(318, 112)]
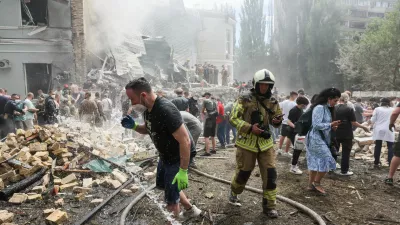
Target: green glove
[(182, 178)]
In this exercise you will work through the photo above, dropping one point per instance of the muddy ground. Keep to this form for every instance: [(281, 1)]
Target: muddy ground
[(379, 203)]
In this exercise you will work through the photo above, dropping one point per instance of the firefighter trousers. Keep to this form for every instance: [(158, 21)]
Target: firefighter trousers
[(245, 163)]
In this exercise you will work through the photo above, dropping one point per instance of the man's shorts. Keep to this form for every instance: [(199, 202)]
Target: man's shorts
[(165, 175), (396, 148), (210, 126), (285, 131)]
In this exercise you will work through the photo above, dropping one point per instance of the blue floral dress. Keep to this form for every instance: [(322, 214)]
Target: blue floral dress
[(319, 157)]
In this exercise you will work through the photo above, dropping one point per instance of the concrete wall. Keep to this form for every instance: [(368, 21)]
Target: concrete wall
[(51, 46), (14, 80), (212, 43)]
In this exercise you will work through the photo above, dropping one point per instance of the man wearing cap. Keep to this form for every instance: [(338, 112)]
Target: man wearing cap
[(209, 110), (180, 102)]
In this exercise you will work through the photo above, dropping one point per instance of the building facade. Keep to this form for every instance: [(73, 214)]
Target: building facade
[(36, 45), (215, 41), (360, 12)]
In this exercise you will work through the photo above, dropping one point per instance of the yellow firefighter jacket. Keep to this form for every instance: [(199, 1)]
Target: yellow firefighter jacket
[(240, 118)]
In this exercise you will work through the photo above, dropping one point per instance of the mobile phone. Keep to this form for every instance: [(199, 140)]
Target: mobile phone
[(343, 121)]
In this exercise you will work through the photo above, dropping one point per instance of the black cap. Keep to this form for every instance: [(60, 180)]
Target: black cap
[(385, 100)]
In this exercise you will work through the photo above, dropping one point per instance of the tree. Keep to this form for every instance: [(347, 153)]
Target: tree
[(373, 60), (322, 37), (252, 50)]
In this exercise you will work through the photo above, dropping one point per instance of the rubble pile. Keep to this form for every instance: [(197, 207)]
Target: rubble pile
[(364, 146), (65, 162)]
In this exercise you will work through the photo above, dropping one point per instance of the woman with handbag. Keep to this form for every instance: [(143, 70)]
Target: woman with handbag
[(318, 139)]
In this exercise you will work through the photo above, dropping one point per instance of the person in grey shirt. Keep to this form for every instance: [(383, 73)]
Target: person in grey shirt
[(193, 124), (358, 110), (229, 127)]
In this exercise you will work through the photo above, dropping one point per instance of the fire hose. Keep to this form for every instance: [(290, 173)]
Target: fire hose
[(295, 204), (315, 216)]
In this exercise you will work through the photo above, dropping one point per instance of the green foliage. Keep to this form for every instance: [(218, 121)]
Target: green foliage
[(252, 50), (322, 37), (373, 61)]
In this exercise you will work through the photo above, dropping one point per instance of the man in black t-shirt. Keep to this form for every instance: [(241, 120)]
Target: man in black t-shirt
[(294, 115), (344, 132), (164, 124)]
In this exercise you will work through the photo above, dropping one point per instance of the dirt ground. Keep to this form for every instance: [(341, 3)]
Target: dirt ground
[(379, 203)]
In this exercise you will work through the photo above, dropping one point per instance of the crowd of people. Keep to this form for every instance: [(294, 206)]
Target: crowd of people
[(49, 108), (258, 119)]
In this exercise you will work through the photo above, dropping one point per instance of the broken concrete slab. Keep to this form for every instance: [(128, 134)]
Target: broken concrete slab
[(120, 176), (126, 191), (47, 212), (68, 179), (38, 147), (81, 189), (1, 184), (149, 175), (34, 197), (57, 181), (39, 189), (95, 202), (18, 198), (87, 182), (6, 217), (114, 183), (57, 217), (134, 188), (68, 186)]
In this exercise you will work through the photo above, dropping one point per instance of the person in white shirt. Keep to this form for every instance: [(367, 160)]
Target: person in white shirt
[(286, 106), (381, 120), (107, 107)]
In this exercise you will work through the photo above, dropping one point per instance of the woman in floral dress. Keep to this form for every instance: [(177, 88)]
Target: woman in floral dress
[(319, 156)]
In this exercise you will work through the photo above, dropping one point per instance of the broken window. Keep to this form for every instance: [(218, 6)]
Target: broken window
[(38, 76), (34, 12)]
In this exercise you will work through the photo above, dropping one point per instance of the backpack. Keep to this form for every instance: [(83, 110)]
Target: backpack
[(193, 107), (303, 125)]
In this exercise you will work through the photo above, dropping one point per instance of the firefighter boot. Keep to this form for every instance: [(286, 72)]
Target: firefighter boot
[(271, 213)]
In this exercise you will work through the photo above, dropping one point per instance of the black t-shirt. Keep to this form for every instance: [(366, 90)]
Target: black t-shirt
[(163, 120), (294, 114), (181, 103), (346, 115)]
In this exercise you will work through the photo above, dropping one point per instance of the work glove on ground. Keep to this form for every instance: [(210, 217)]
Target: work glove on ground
[(182, 178), (128, 122)]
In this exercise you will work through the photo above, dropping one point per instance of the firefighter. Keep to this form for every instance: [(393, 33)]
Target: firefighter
[(252, 114)]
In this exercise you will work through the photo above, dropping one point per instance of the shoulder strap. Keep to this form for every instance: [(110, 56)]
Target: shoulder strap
[(264, 106)]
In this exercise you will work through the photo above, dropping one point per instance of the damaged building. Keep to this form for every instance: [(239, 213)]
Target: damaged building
[(37, 43)]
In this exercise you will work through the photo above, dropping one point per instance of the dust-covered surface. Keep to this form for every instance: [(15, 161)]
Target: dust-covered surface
[(342, 205)]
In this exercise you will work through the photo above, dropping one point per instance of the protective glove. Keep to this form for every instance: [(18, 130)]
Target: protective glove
[(128, 122), (182, 178)]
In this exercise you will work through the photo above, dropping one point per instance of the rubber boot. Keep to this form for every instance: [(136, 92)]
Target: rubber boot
[(271, 213)]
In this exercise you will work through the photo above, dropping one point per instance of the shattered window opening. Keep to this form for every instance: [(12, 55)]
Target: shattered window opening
[(34, 12)]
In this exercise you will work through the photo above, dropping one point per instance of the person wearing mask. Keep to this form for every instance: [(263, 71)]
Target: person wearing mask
[(50, 109), (100, 117), (251, 115), (286, 106), (11, 110), (164, 124), (88, 110), (294, 115), (319, 156), (344, 132), (107, 107), (381, 120), (221, 123), (210, 113), (395, 163), (229, 127), (358, 111), (180, 102)]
